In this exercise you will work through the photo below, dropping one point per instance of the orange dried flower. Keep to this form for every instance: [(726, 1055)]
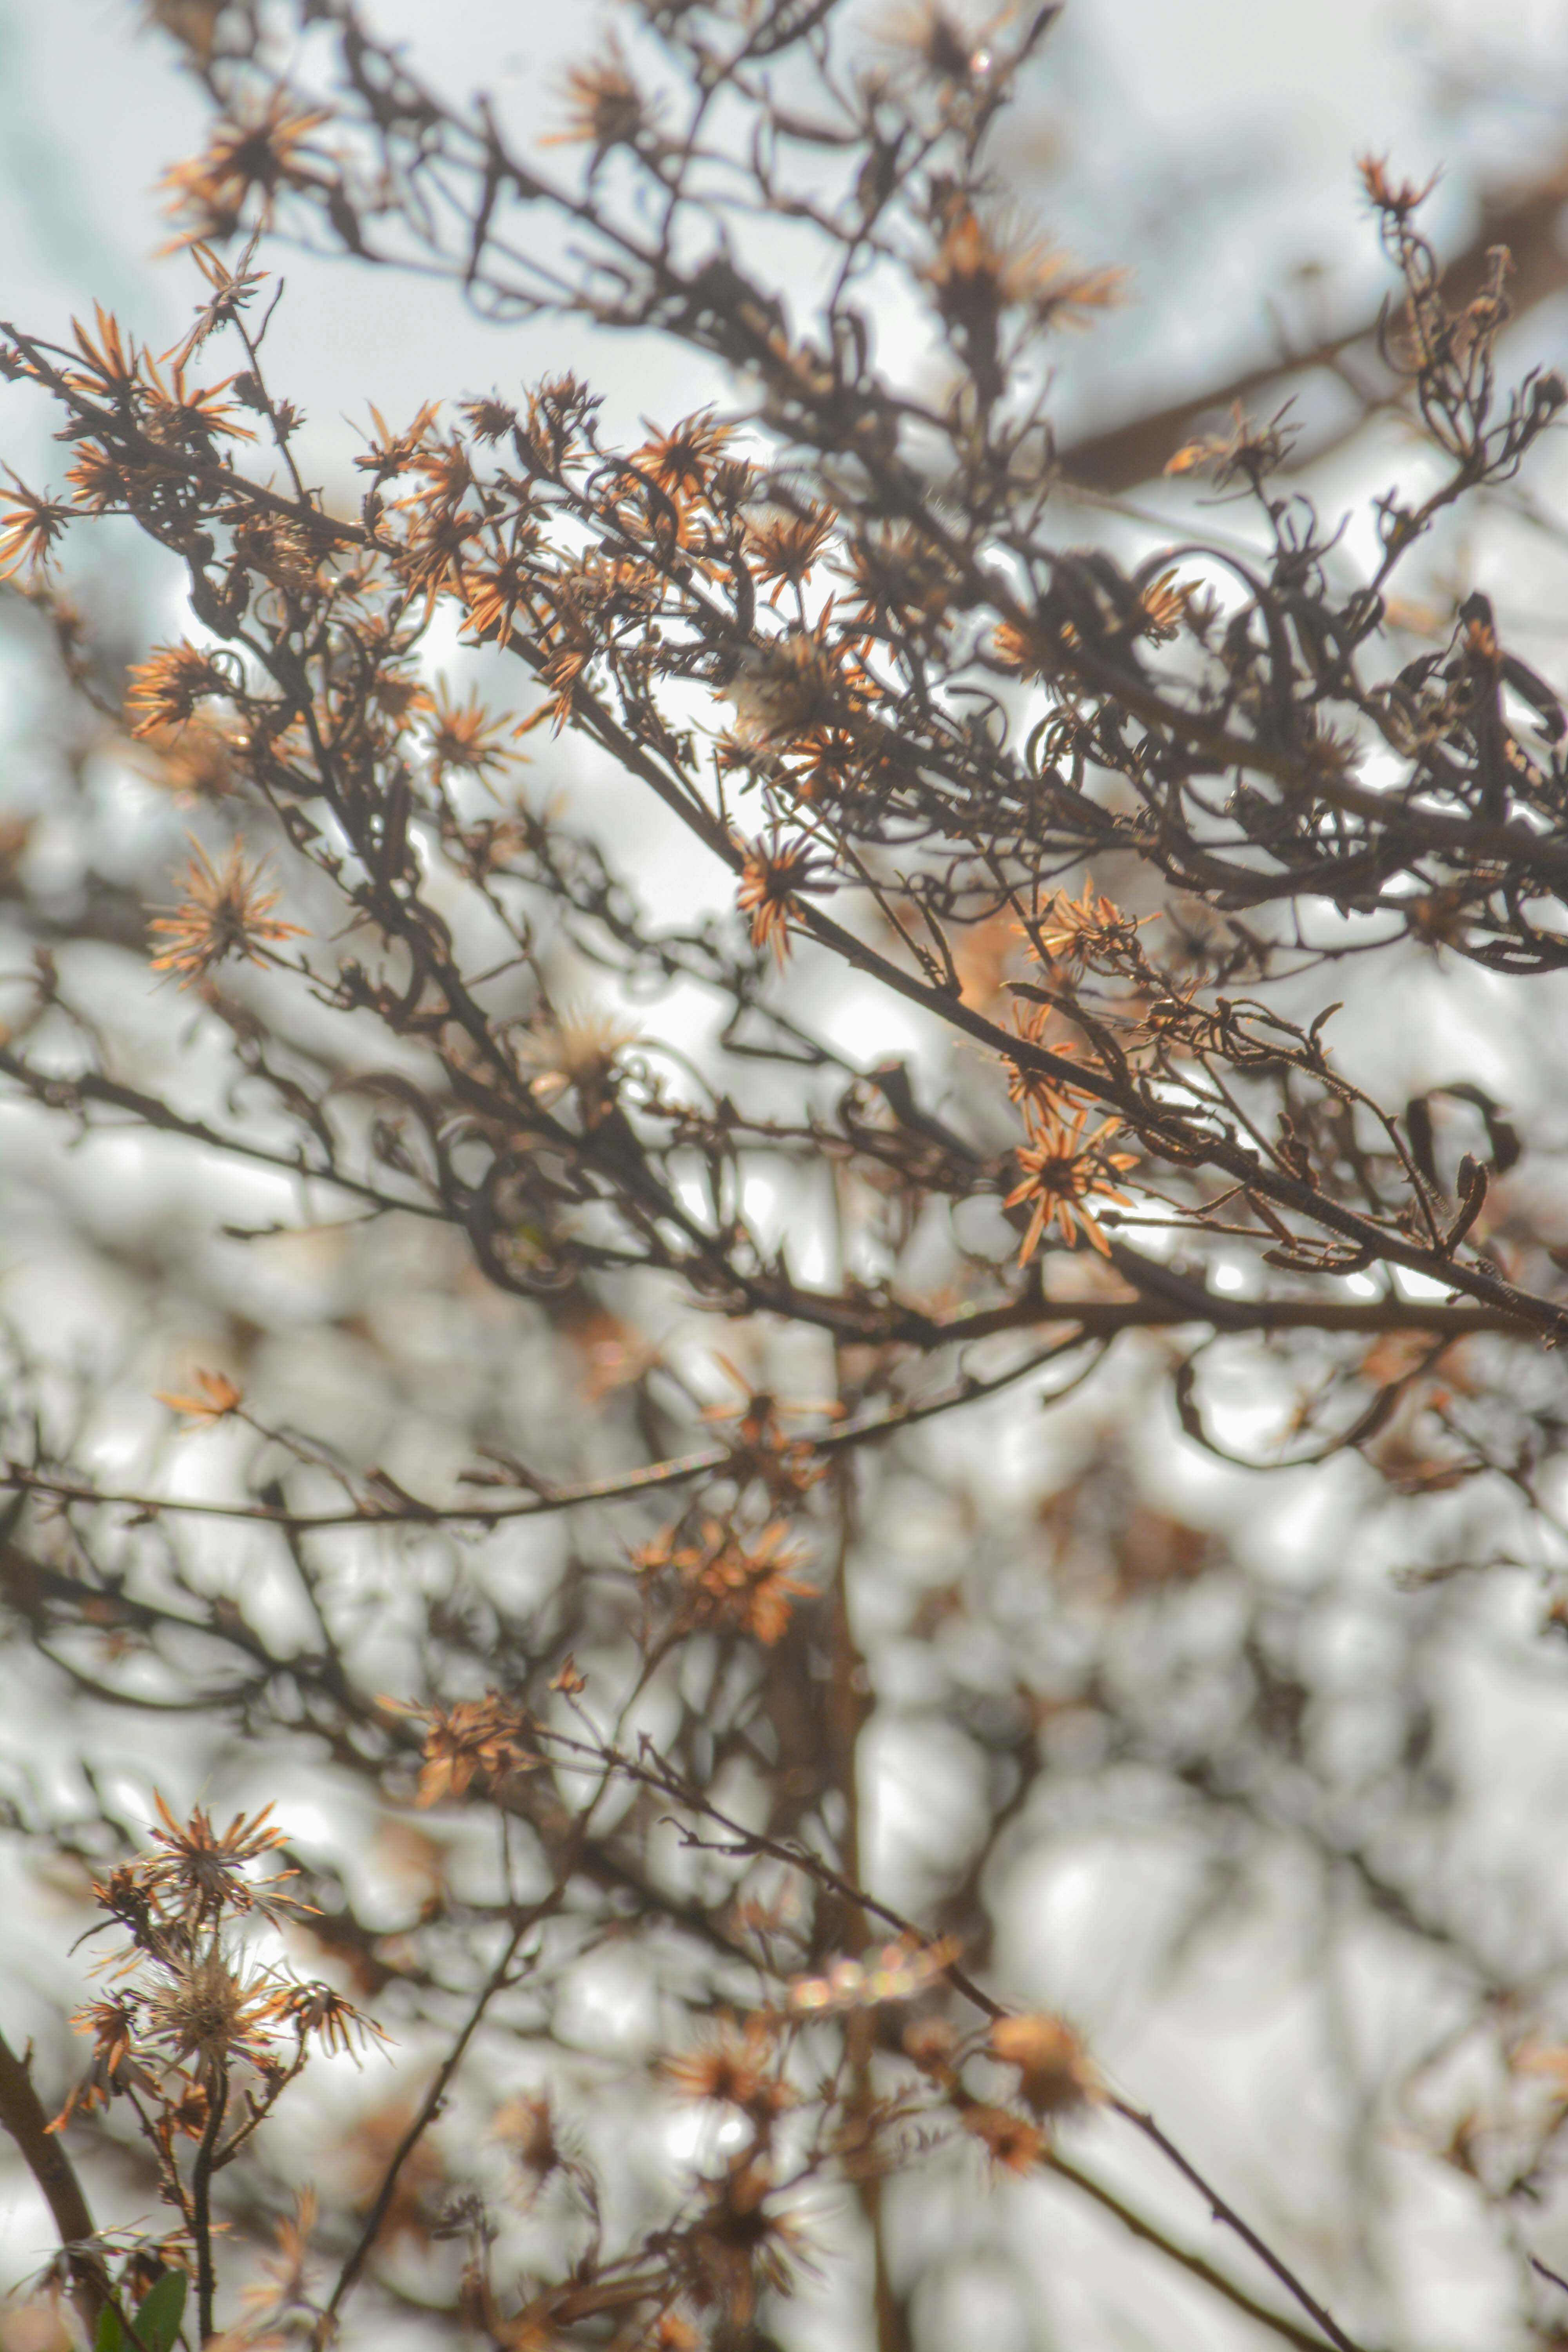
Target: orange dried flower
[(224, 914), (219, 1398), (202, 1869), (775, 872), (464, 735), (29, 527), (980, 269), (477, 1737), (786, 548), (336, 2023), (1012, 2143), (195, 761), (1063, 1169), (264, 151), (109, 368), (1081, 928), (166, 688), (205, 2010), (605, 109), (1400, 198), (527, 2129), (731, 1579), (681, 461), (735, 2063), (1053, 2073)]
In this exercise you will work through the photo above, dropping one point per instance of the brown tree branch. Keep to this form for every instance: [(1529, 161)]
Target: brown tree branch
[(1123, 455), (23, 2117), (1182, 2255)]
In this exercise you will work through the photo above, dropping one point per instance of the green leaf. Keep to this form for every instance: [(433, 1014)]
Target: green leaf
[(108, 2338), (159, 2317)]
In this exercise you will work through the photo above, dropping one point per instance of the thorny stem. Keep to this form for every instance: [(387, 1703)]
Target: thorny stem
[(1227, 2214), (1182, 2255)]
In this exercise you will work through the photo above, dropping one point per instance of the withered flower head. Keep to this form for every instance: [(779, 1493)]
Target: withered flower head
[(1080, 929), (113, 2026), (729, 1579), (485, 1736), (526, 2127), (1399, 197), (337, 2024), (682, 460), (264, 150), (220, 1397), (942, 44), (735, 2063), (186, 415), (741, 2243), (166, 688), (775, 873), (200, 1872), (224, 913), (1165, 603), (489, 420), (577, 1047), (790, 683), (195, 761), (785, 548), (605, 107), (109, 370), (1063, 1169), (1055, 2077), (29, 527), (982, 267), (463, 734), (203, 2009), (1013, 2143)]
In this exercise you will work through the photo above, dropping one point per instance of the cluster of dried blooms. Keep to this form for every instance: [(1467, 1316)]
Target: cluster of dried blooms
[(1112, 829)]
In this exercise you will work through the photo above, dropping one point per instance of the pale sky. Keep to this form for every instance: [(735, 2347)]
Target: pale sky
[(1200, 140)]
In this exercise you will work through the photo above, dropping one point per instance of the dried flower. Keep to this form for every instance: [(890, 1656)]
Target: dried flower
[(1055, 2077), (786, 548), (204, 2008), (265, 151), (736, 2064), (681, 460), (219, 1398), (463, 735), (1013, 2143), (1063, 1169), (224, 913), (775, 873), (1400, 198), (29, 532), (577, 1048), (605, 110), (729, 1579), (1080, 929), (166, 688), (202, 1868), (195, 761), (484, 1737), (336, 2023)]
